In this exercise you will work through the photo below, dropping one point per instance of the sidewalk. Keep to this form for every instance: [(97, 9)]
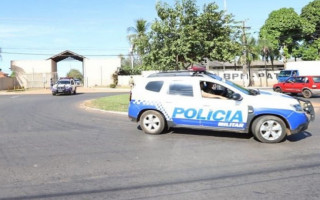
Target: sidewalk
[(79, 90)]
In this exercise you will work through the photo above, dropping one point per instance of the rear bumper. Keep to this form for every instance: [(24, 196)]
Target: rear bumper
[(315, 91)]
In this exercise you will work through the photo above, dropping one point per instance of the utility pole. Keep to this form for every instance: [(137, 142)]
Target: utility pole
[(245, 52)]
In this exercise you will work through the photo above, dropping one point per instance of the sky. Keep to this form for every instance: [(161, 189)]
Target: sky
[(40, 29)]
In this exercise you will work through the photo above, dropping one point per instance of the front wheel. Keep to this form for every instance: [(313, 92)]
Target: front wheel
[(152, 122), (269, 129)]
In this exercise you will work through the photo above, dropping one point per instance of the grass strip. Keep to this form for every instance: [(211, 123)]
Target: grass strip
[(118, 103)]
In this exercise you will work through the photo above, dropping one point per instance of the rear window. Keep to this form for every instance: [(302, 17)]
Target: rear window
[(316, 79), (183, 89), (154, 86)]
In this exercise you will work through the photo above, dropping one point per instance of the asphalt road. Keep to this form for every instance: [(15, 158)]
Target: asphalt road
[(53, 148)]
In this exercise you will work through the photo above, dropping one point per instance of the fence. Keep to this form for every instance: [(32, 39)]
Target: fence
[(8, 83)]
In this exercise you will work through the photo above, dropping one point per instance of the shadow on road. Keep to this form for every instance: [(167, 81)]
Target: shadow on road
[(298, 136)]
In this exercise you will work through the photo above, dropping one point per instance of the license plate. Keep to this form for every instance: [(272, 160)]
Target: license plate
[(60, 90)]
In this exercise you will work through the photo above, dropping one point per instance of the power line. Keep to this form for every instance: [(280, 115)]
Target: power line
[(47, 54)]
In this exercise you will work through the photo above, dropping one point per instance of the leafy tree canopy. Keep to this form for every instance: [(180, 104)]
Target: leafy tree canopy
[(310, 15), (76, 74), (183, 35), (282, 29)]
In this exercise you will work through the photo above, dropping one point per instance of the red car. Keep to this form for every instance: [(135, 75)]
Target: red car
[(307, 85)]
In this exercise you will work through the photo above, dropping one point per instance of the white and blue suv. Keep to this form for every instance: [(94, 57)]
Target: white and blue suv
[(181, 99), (64, 85)]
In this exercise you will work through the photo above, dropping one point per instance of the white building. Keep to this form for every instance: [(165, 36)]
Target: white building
[(37, 73)]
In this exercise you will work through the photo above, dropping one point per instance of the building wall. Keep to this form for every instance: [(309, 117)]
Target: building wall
[(98, 72), (33, 66), (32, 73), (8, 83)]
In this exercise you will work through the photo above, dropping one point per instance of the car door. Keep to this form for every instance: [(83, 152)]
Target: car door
[(289, 85), (300, 83), (223, 113), (180, 103)]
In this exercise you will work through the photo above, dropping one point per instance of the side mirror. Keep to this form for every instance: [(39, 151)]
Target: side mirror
[(236, 97)]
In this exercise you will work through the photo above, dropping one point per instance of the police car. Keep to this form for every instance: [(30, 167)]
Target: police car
[(176, 99), (65, 85)]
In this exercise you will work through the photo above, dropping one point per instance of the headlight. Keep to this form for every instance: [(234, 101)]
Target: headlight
[(54, 86), (68, 86), (297, 107)]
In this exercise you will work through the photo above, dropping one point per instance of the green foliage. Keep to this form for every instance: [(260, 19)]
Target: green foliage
[(296, 36), (112, 85), (127, 69), (13, 74), (183, 36), (76, 74), (282, 28), (310, 14), (115, 79)]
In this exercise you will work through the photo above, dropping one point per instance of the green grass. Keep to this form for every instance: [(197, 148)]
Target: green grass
[(118, 103)]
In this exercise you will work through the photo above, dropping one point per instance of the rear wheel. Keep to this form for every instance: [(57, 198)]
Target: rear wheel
[(306, 93), (269, 129), (278, 90), (152, 122)]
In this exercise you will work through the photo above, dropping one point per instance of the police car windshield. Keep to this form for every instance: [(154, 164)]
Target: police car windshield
[(232, 84), (63, 82)]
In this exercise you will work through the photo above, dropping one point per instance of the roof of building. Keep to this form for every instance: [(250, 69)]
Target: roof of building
[(3, 74), (67, 54)]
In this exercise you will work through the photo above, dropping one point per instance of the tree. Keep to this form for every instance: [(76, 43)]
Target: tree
[(310, 16), (183, 36), (283, 28), (126, 69), (76, 74), (138, 38), (249, 53)]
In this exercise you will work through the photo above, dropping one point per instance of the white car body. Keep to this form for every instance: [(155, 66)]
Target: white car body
[(185, 106)]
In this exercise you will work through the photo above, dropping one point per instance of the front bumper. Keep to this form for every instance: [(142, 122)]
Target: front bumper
[(307, 107), (62, 90)]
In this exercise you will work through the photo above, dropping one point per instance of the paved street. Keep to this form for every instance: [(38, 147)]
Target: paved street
[(51, 147)]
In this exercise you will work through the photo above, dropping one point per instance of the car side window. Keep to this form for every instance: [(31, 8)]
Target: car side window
[(291, 80), (300, 79), (181, 88), (214, 90), (154, 86), (316, 79)]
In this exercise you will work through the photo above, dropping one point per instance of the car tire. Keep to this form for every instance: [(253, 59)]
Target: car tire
[(306, 93), (54, 94), (269, 129), (278, 90), (152, 122), (75, 91)]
